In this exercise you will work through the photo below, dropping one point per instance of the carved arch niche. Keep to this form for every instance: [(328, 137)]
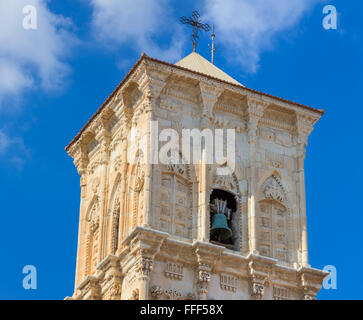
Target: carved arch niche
[(114, 217), (135, 197), (226, 188), (176, 199), (273, 220), (92, 236)]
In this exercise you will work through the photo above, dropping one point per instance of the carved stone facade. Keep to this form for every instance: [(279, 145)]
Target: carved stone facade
[(144, 229)]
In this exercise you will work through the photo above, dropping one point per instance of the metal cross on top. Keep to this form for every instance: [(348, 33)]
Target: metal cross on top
[(197, 25)]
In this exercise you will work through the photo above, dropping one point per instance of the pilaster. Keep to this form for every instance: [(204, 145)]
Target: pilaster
[(255, 111), (304, 127), (207, 257), (258, 270)]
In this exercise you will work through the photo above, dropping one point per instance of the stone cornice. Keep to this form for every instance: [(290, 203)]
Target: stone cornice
[(311, 281), (146, 62), (144, 245)]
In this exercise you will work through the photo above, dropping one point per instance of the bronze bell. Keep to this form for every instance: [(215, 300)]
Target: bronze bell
[(220, 228)]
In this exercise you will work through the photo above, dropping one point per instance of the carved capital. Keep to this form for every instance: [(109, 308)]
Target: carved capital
[(90, 288), (78, 152), (258, 289), (255, 112), (209, 95), (115, 291), (311, 282), (144, 266), (258, 279), (304, 127)]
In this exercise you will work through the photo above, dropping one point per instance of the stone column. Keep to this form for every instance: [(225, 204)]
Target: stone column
[(125, 119), (203, 201), (123, 191), (209, 95), (255, 113), (151, 89), (113, 278), (207, 257), (144, 266), (103, 136), (144, 244), (304, 128), (79, 153), (303, 223)]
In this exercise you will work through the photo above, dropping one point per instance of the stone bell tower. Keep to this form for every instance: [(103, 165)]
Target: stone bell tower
[(182, 231)]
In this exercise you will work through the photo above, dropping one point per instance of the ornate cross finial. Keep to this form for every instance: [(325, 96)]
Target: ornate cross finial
[(195, 22)]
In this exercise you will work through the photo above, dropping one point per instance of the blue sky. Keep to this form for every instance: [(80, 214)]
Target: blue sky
[(54, 78)]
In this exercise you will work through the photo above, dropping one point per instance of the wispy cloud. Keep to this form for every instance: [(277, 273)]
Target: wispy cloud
[(13, 150), (249, 27), (136, 24), (32, 59)]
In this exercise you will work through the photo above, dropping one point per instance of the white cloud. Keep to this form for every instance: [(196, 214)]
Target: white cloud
[(32, 58), (13, 150), (248, 27), (4, 142), (136, 24)]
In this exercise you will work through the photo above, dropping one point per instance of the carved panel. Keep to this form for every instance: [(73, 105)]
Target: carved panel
[(175, 201), (272, 230), (174, 271), (228, 282), (280, 293)]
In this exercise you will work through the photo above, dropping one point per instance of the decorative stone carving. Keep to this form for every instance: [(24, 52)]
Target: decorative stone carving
[(225, 182), (258, 289), (139, 184), (158, 292), (174, 271), (280, 293), (273, 189), (144, 266), (258, 279), (204, 276), (228, 282), (275, 160), (95, 184), (115, 227), (93, 217), (135, 295), (117, 164), (115, 291)]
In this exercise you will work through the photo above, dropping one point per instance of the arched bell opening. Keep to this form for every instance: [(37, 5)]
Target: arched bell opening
[(223, 215)]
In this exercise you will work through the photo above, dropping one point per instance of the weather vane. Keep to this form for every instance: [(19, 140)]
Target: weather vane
[(212, 47), (197, 25)]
